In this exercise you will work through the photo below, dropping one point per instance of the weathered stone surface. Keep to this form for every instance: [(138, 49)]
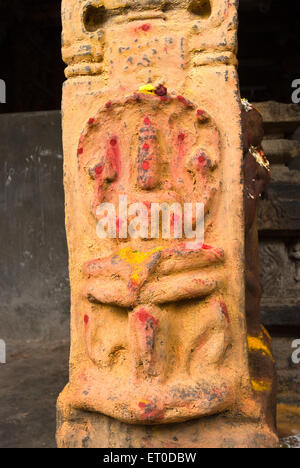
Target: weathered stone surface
[(288, 372), (279, 220), (286, 314), (280, 211), (280, 283), (34, 285), (159, 332), (280, 208), (281, 151), (279, 117), (288, 417)]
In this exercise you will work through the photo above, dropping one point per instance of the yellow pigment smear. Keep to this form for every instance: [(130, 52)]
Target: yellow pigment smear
[(261, 385), (257, 344), (258, 110), (147, 89), (136, 258), (145, 402)]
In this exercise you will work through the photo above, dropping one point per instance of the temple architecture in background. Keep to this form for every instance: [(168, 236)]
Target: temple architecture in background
[(167, 349)]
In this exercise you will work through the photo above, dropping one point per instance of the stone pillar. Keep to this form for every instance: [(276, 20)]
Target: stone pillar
[(159, 346)]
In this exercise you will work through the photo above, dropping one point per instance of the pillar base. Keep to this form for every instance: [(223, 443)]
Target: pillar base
[(82, 429)]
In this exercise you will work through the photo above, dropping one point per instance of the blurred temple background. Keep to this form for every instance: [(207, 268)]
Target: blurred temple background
[(34, 288)]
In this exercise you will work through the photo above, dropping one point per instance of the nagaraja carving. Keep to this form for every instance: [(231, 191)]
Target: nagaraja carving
[(159, 354)]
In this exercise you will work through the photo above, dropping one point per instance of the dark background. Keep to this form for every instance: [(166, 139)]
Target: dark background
[(31, 65)]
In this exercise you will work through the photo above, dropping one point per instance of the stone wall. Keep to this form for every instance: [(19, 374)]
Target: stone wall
[(34, 287), (279, 216)]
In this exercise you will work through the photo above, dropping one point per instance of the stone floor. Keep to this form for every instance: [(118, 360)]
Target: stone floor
[(30, 383), (35, 373)]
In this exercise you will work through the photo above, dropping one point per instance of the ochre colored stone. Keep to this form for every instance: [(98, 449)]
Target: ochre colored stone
[(159, 345)]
